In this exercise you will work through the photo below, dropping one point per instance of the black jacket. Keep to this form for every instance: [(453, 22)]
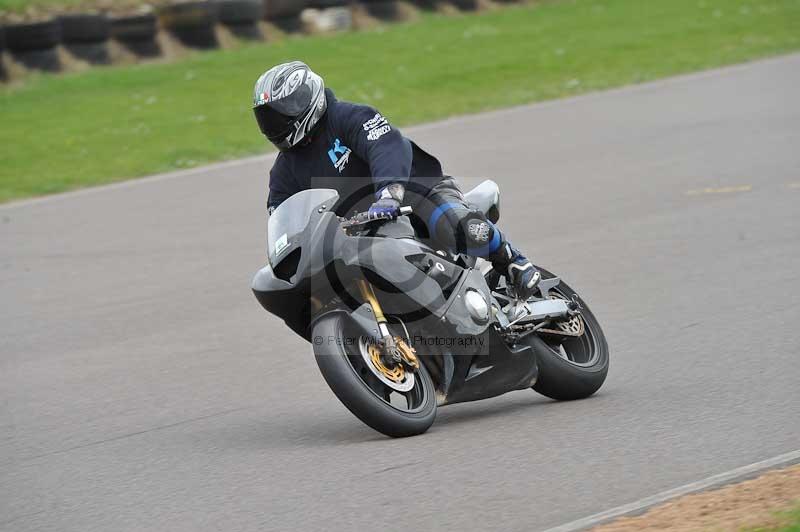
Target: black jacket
[(354, 150)]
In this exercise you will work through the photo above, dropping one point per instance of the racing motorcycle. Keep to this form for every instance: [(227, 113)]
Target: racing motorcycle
[(400, 328)]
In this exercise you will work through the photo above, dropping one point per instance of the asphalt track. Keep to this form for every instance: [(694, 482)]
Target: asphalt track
[(143, 388)]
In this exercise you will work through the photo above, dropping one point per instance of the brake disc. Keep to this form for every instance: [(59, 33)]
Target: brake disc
[(395, 377)]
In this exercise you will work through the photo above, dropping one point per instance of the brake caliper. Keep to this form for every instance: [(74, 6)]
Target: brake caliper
[(395, 350)]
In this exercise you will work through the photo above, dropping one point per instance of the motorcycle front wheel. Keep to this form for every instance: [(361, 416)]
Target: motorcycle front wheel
[(397, 406)]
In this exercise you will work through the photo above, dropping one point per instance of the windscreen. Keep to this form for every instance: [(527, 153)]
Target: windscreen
[(287, 222)]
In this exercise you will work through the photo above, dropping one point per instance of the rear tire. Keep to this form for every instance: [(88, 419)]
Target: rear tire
[(335, 350), (561, 378)]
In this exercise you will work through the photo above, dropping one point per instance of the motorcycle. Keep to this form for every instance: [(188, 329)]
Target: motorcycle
[(400, 328)]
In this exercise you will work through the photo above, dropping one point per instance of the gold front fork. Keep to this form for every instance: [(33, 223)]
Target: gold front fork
[(396, 343), (369, 296)]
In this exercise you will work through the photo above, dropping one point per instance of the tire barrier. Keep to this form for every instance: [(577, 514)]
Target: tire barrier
[(191, 23), (3, 75), (324, 4), (466, 5), (383, 9), (86, 37), (137, 33), (34, 44), (428, 5), (283, 9), (285, 14), (241, 17), (327, 20), (288, 24), (33, 36)]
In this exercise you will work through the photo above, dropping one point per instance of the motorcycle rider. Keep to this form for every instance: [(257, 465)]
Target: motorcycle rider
[(319, 136)]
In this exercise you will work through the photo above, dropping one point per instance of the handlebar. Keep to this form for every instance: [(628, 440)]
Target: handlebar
[(363, 218)]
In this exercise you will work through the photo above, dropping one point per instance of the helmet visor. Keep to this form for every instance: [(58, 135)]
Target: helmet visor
[(277, 119), (276, 126)]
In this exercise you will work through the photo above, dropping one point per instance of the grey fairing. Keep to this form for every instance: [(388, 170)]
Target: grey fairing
[(293, 219), (386, 257), (289, 300), (486, 198), (323, 242), (265, 281), (462, 376), (457, 314)]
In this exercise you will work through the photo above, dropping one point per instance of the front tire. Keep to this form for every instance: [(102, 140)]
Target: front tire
[(575, 368), (336, 344)]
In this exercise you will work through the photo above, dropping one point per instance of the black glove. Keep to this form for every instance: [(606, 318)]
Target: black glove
[(388, 204)]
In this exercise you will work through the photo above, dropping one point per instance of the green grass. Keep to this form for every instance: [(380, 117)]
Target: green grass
[(57, 6), (790, 522), (63, 132), (22, 5)]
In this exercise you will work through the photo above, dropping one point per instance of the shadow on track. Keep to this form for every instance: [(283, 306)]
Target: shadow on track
[(514, 404), (261, 431)]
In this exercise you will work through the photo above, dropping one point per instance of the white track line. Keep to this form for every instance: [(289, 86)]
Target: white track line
[(733, 475)]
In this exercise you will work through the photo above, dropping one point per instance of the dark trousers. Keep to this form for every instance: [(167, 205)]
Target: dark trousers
[(444, 216)]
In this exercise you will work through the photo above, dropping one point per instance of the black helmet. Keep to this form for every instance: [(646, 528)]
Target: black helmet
[(288, 102)]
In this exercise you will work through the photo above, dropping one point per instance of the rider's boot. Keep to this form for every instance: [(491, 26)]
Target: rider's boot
[(521, 276)]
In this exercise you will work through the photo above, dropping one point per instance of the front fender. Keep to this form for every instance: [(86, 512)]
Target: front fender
[(362, 318)]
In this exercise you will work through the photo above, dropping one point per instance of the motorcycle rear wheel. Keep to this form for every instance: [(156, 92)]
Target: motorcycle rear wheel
[(336, 350), (571, 368)]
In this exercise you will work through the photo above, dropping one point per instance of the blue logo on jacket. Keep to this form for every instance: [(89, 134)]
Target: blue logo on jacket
[(339, 155)]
